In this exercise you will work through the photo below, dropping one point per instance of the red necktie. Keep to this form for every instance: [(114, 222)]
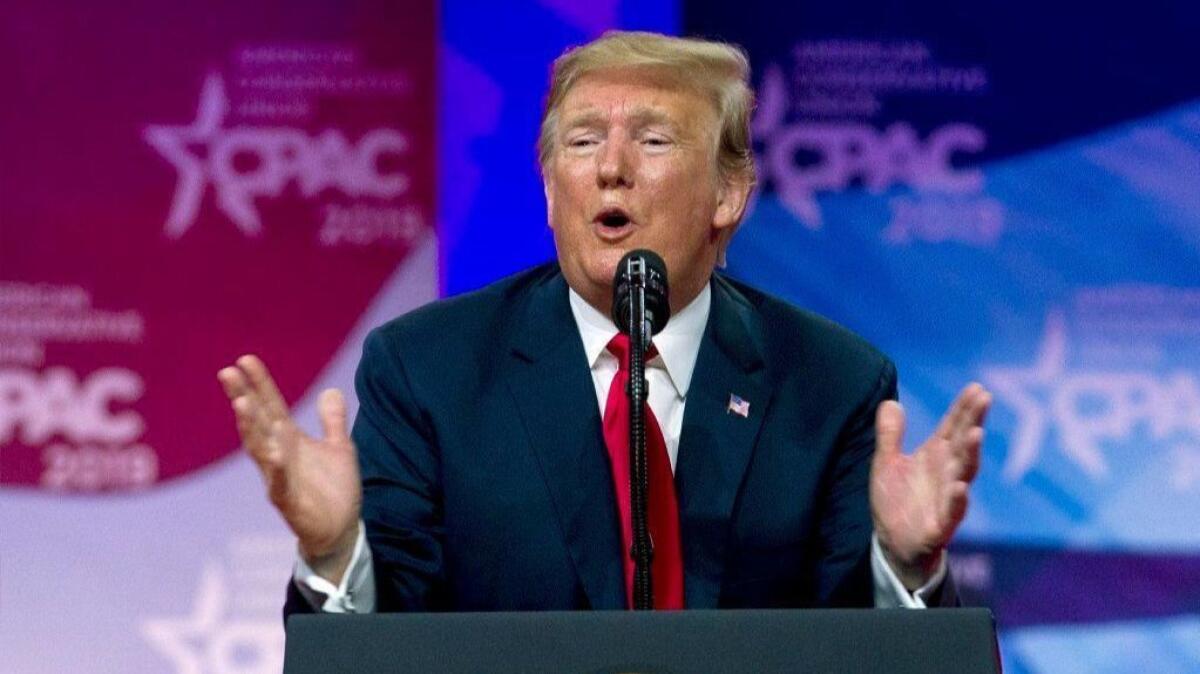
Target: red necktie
[(662, 509)]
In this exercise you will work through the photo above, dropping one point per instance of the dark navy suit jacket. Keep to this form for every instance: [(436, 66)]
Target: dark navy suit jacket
[(486, 483)]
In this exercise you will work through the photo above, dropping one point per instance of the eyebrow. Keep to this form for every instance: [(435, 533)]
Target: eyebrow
[(641, 116)]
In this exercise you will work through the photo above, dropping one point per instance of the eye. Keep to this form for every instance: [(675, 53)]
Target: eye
[(581, 142), (656, 141)]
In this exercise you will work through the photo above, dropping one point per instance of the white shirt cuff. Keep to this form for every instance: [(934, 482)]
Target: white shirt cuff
[(890, 592), (356, 592)]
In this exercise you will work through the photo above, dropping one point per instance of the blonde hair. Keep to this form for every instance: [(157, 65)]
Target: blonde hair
[(719, 71)]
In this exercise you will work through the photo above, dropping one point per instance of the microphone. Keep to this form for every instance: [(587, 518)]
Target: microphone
[(640, 309), (641, 268)]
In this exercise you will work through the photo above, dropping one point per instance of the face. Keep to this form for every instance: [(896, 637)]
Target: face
[(634, 165)]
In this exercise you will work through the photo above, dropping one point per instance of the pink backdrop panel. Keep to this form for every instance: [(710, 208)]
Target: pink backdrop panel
[(185, 182)]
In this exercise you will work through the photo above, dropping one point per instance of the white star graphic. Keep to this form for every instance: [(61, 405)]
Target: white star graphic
[(1017, 387), (208, 642), (769, 117), (180, 639), (172, 142)]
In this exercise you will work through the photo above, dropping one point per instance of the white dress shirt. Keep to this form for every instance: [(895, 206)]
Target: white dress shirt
[(668, 375)]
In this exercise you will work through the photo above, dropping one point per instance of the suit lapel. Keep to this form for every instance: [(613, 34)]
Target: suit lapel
[(716, 444), (552, 387)]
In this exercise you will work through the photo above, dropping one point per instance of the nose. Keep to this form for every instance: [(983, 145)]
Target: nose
[(614, 163)]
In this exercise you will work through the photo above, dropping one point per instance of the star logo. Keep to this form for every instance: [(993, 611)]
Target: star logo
[(208, 642), (1019, 388), (246, 162), (1089, 406), (174, 143), (770, 117)]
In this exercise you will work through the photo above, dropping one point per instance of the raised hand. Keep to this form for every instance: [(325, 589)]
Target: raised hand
[(918, 500), (313, 482)]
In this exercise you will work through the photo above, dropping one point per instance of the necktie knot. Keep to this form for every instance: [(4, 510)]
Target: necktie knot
[(619, 347)]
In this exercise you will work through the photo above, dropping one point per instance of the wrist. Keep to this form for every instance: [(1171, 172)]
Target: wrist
[(914, 571), (331, 561)]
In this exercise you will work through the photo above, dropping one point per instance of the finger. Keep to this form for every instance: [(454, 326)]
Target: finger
[(966, 456), (969, 414), (250, 424), (280, 441), (233, 382), (983, 403), (241, 415), (961, 462), (967, 438), (954, 508), (889, 429), (331, 406), (273, 463), (264, 385), (267, 436)]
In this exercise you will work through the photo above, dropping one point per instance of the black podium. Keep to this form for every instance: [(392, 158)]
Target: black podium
[(958, 641)]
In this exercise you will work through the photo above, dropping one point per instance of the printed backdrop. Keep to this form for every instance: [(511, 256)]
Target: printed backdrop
[(182, 183), (1004, 192), (1009, 192)]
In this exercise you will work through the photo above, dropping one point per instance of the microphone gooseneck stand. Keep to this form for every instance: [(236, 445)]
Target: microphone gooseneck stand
[(641, 308), (639, 335)]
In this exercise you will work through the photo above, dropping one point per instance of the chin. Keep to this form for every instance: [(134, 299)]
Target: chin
[(602, 265)]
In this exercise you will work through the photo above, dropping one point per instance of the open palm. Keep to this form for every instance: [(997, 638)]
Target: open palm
[(919, 499), (312, 481)]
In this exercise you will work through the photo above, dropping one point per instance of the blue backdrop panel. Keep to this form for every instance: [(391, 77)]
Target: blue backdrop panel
[(495, 69), (1009, 192)]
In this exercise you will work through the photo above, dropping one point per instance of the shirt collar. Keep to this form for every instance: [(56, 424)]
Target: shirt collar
[(678, 344)]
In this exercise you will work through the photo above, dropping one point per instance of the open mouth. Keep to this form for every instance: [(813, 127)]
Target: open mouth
[(613, 219)]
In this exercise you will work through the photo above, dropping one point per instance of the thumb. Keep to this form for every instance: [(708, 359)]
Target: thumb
[(889, 429), (331, 406)]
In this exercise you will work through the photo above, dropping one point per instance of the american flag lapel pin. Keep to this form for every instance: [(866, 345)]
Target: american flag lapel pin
[(738, 406)]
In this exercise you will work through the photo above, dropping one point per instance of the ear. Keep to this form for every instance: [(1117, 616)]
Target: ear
[(732, 197), (548, 190)]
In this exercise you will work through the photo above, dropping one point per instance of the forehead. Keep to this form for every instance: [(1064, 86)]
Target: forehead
[(615, 93)]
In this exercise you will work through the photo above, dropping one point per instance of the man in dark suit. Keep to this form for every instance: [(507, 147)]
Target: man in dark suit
[(487, 477)]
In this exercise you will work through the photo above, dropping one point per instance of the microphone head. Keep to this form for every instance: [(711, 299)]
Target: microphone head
[(641, 267)]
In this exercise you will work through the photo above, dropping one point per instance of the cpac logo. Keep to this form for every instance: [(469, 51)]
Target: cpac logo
[(57, 403), (243, 163), (209, 640), (1089, 406), (848, 151)]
